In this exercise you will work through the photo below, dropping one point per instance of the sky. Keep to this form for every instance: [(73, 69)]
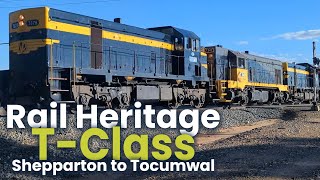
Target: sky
[(282, 30)]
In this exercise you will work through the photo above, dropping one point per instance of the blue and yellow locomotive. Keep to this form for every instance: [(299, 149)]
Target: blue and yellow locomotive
[(67, 57), (244, 78), (300, 79)]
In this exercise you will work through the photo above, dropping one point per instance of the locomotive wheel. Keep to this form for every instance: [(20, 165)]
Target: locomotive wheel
[(174, 105), (269, 103), (196, 103), (124, 102), (177, 102), (244, 101), (123, 106)]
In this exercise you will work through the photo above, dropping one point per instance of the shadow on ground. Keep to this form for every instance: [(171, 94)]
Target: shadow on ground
[(288, 115), (287, 158)]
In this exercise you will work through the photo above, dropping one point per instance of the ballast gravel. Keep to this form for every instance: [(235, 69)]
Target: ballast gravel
[(21, 144)]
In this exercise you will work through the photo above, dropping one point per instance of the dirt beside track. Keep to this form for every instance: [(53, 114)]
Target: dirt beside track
[(204, 139), (288, 149)]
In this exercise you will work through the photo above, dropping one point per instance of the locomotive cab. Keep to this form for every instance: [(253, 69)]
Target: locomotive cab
[(186, 56), (28, 56), (237, 67)]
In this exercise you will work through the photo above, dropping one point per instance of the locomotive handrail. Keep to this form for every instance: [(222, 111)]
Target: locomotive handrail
[(122, 48), (138, 57), (51, 61), (74, 64)]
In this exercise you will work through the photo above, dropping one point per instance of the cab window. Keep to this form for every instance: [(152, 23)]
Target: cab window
[(241, 62), (193, 44), (233, 61), (198, 45), (188, 43), (178, 44)]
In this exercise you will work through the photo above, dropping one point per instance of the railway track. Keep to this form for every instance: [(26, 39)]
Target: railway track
[(219, 107), (236, 106), (262, 106)]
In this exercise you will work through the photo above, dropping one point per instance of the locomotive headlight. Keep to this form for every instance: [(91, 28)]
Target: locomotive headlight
[(21, 20), (21, 23), (21, 17)]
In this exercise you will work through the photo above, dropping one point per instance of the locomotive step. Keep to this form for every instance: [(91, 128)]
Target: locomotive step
[(57, 78), (65, 102), (59, 90), (56, 67)]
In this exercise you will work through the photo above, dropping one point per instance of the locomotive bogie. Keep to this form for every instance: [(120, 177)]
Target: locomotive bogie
[(104, 96)]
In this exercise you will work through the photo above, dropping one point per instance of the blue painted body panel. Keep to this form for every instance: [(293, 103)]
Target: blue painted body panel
[(264, 72), (221, 63), (122, 58), (298, 80)]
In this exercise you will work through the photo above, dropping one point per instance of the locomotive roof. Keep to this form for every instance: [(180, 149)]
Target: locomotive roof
[(304, 66), (257, 58), (251, 56), (184, 32), (149, 32), (71, 17)]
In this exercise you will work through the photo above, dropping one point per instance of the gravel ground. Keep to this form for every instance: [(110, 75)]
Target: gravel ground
[(20, 144), (238, 117), (288, 149)]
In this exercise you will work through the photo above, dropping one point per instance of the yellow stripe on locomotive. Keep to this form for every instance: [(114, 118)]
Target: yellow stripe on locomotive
[(27, 46), (38, 18)]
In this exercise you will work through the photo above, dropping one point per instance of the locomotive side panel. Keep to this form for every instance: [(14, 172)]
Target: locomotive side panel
[(118, 49), (79, 59), (264, 71)]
